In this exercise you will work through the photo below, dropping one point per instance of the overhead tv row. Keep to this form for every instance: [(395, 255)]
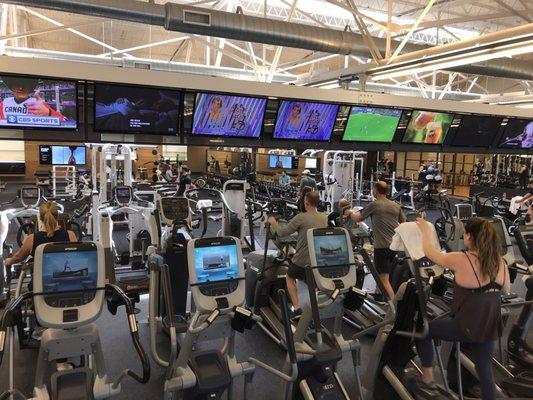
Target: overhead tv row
[(32, 102)]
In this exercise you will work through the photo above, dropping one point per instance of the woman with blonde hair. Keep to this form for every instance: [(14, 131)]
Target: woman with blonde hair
[(49, 231), (480, 275)]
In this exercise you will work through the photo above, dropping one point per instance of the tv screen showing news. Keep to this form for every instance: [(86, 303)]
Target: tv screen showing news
[(62, 155), (69, 271), (518, 134), (275, 161), (216, 263), (477, 130), (227, 115), (371, 124), (427, 127), (331, 250), (34, 102), (135, 109), (301, 120)]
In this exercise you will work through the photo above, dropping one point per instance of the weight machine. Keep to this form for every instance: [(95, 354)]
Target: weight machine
[(343, 175)]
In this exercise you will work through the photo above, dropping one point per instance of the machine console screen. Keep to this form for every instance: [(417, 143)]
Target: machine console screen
[(331, 254), (216, 262), (70, 275), (30, 195), (175, 208), (123, 195)]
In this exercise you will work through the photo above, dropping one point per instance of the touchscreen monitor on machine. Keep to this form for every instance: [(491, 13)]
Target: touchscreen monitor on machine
[(216, 273), (30, 196), (67, 282), (332, 258), (123, 195)]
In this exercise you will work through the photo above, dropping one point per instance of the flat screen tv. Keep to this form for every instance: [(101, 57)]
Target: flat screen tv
[(228, 115), (277, 161), (62, 155), (427, 127), (32, 102), (303, 120), (518, 134), (371, 124), (135, 109), (477, 131)]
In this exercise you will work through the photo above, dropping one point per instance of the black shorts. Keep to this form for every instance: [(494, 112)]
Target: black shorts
[(296, 272), (384, 260)]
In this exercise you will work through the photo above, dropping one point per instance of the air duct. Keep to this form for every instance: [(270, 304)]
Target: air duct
[(202, 21)]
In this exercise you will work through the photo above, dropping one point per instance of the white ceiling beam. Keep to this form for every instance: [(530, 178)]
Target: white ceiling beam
[(411, 31), (376, 54), (3, 26), (145, 46), (279, 49), (448, 86), (226, 52), (44, 31), (183, 45), (519, 14)]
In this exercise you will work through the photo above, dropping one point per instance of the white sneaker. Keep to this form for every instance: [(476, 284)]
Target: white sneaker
[(38, 333)]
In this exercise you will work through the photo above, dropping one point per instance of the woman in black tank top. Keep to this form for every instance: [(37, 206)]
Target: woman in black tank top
[(49, 231), (480, 275)]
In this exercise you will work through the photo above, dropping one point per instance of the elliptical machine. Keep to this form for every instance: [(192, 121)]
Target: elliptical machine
[(216, 274), (69, 291)]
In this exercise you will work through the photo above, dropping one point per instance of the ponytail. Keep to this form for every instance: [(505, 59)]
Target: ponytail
[(488, 245), (48, 213)]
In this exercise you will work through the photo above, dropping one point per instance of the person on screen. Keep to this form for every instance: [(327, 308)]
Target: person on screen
[(523, 140), (307, 180), (294, 118), (216, 110), (279, 163), (386, 215), (284, 180), (301, 223), (26, 100)]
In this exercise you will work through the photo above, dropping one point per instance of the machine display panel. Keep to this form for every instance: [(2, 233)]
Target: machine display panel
[(28, 102), (518, 134), (477, 130), (73, 273), (371, 124), (45, 155), (427, 127), (227, 115), (135, 109), (331, 250), (302, 120), (216, 263), (277, 161), (123, 194)]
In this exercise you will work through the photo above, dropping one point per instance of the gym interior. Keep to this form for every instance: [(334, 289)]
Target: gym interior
[(319, 199)]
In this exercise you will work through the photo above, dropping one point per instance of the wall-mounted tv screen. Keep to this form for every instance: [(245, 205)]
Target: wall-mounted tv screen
[(518, 134), (477, 130), (135, 109), (302, 120), (371, 124), (31, 102), (277, 161), (62, 155), (228, 115), (427, 127)]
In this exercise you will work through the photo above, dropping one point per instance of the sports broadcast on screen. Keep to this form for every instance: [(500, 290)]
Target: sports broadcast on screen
[(301, 120), (33, 102), (371, 124), (427, 127), (232, 116), (136, 109)]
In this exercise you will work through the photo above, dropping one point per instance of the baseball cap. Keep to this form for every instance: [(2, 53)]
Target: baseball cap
[(306, 172)]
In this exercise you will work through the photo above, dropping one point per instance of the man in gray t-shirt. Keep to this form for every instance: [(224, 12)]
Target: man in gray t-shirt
[(307, 180), (386, 215), (301, 223)]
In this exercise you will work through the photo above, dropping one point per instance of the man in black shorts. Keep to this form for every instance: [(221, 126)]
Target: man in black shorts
[(301, 223), (386, 215)]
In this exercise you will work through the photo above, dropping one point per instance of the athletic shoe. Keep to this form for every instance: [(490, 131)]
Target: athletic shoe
[(379, 298), (296, 314), (37, 333)]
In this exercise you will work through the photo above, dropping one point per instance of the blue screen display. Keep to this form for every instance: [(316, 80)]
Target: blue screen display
[(331, 250), (70, 271), (275, 161), (68, 155), (216, 263)]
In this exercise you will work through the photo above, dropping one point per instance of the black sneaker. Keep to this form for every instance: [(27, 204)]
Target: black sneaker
[(379, 298), (425, 391)]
